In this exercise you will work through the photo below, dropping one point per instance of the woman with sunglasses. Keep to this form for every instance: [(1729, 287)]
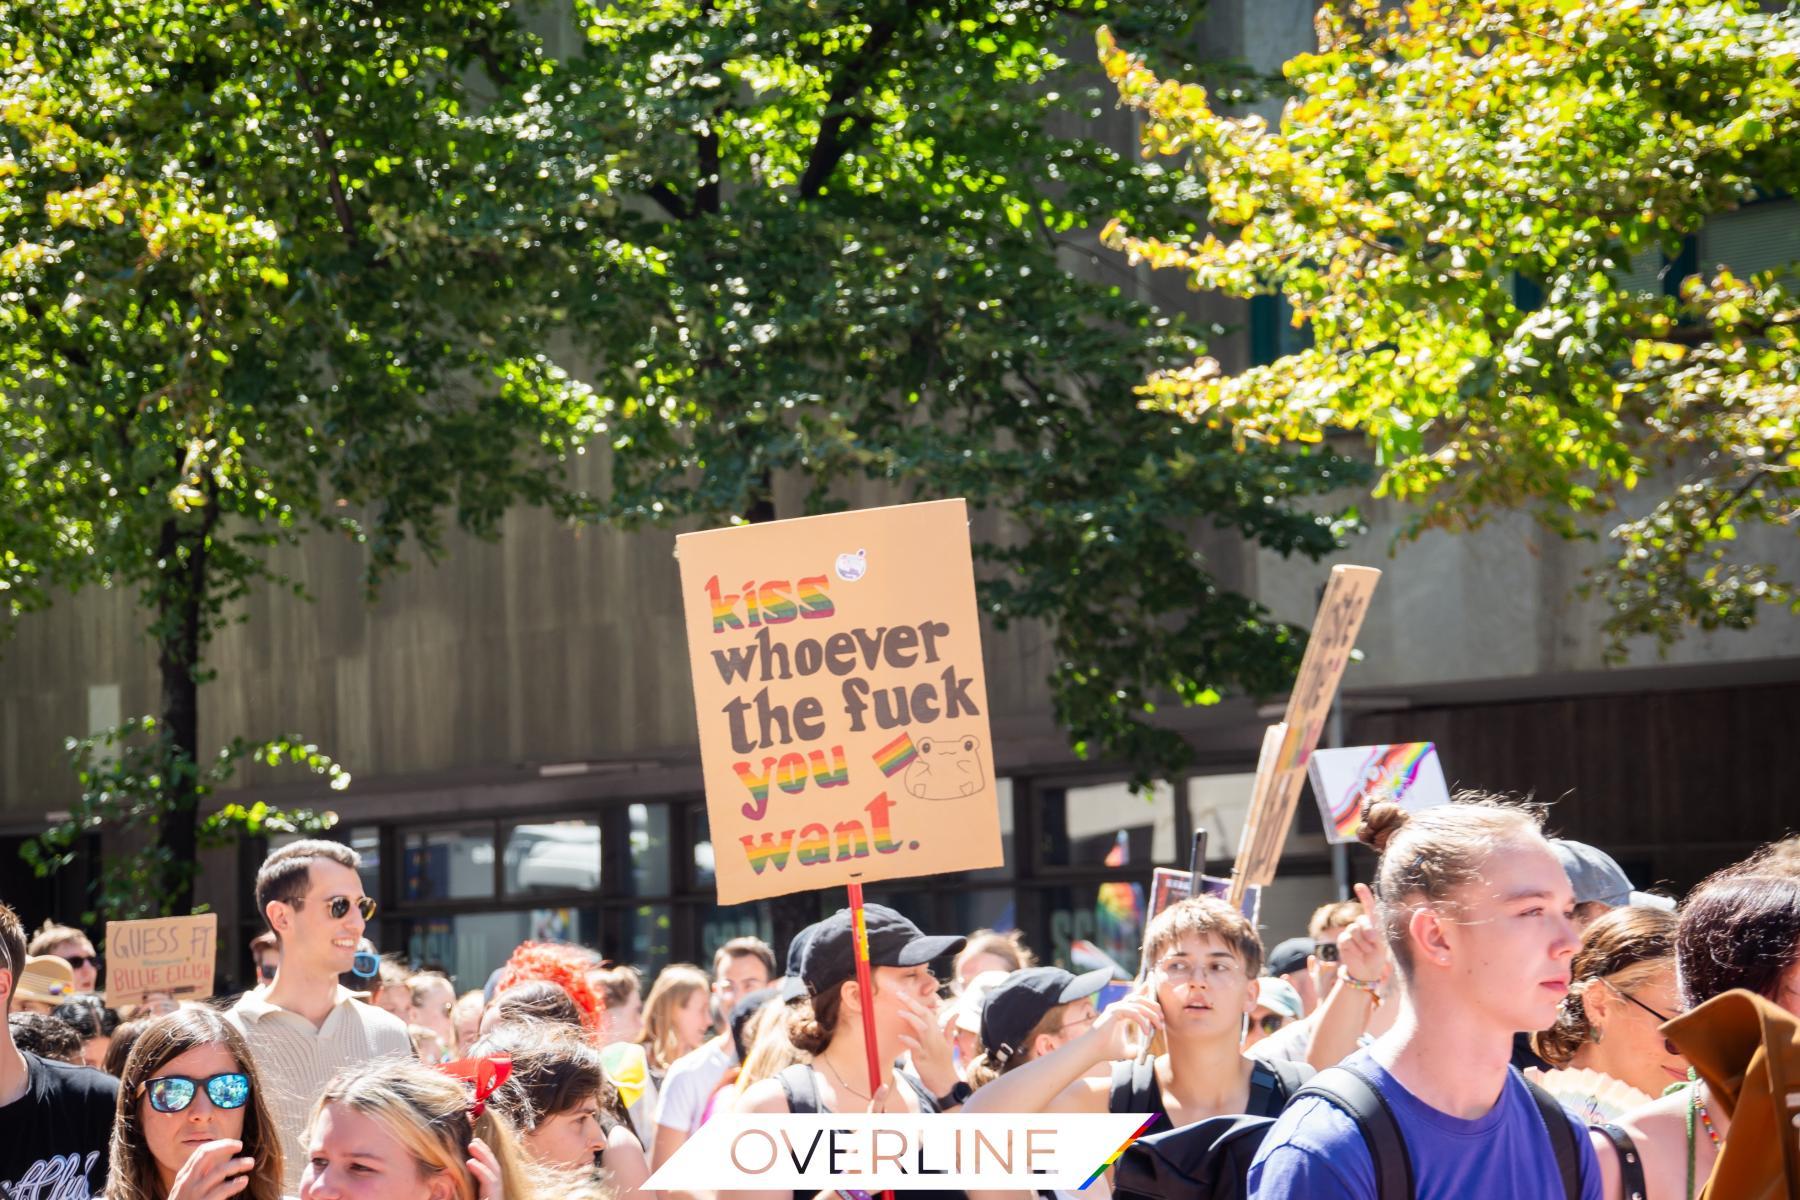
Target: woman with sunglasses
[(191, 1122), (1609, 1053)]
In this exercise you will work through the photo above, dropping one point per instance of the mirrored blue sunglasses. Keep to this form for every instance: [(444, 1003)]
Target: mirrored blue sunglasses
[(173, 1093)]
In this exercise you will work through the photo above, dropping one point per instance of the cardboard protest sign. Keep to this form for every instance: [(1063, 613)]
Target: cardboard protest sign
[(841, 699), (1281, 769), (171, 955), (1168, 886), (1343, 781)]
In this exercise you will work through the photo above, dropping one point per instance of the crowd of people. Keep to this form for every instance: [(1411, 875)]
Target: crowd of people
[(1491, 1016)]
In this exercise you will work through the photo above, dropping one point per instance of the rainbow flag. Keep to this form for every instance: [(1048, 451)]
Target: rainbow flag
[(1388, 774), (897, 755), (1117, 1154), (1119, 907)]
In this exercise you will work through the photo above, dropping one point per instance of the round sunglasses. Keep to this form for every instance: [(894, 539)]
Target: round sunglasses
[(173, 1093), (339, 906)]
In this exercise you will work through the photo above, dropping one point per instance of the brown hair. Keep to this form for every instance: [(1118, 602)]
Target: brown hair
[(674, 984), (133, 1167), (49, 935), (553, 1070), (1009, 947), (284, 874), (1776, 858), (812, 1021), (1625, 948), (618, 983), (45, 1036), (986, 1066), (1205, 916), (1426, 857), (745, 947), (1738, 931), (537, 1000), (12, 945), (123, 1039)]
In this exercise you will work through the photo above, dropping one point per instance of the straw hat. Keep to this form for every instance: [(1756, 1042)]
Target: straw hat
[(46, 979)]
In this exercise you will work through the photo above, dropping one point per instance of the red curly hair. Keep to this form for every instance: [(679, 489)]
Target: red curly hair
[(568, 967)]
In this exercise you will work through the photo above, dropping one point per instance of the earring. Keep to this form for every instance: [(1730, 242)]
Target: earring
[(1599, 1035)]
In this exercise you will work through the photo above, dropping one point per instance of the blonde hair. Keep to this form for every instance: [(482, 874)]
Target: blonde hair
[(1427, 857), (1626, 949), (673, 986), (427, 1112), (1008, 947), (49, 935), (132, 1170), (771, 1050), (1337, 915), (987, 1066), (1204, 916)]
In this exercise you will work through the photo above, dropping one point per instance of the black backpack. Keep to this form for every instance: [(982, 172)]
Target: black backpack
[(1272, 1085), (1210, 1160)]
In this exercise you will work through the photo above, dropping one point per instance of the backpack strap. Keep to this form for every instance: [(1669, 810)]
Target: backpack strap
[(1357, 1097), (801, 1088), (1562, 1137), (927, 1101), (1267, 1096), (1133, 1087), (1631, 1163)]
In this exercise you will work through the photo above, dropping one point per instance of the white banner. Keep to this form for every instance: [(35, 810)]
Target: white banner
[(874, 1151)]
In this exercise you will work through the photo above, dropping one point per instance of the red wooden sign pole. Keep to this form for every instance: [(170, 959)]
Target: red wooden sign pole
[(865, 988)]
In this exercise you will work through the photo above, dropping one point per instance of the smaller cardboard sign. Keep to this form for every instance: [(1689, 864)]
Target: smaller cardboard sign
[(1343, 781), (169, 955), (1169, 886)]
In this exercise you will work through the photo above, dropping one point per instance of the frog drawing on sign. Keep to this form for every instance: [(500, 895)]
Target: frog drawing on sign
[(946, 768)]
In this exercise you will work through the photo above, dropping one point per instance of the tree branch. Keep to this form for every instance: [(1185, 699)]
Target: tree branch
[(669, 200), (706, 150), (839, 128)]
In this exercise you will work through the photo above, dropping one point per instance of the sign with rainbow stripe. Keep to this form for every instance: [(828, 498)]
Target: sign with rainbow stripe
[(841, 699), (1408, 773)]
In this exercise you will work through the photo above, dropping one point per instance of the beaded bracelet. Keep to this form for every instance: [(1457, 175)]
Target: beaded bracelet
[(1374, 989)]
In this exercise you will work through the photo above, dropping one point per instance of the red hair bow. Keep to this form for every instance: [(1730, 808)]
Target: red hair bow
[(486, 1074)]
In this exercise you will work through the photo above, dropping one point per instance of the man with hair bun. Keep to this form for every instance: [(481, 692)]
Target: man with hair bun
[(1480, 921)]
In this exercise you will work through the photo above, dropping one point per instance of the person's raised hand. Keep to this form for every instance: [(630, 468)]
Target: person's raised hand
[(212, 1172), (1362, 950), (1125, 1026), (484, 1168), (925, 1038)]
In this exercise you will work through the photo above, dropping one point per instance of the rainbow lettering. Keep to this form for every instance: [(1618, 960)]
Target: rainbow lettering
[(814, 603), (897, 755), (777, 606), (768, 851), (814, 847), (852, 840), (759, 788), (724, 607)]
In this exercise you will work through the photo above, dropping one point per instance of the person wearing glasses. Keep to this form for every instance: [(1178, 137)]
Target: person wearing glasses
[(305, 1026), (1606, 1049), (55, 1119), (1203, 958), (73, 947), (1029, 1014), (192, 1120), (265, 952)]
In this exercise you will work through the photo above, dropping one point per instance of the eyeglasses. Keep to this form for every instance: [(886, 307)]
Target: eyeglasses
[(1668, 1045), (1326, 951), (1270, 1022), (79, 961), (1181, 970), (339, 906), (1077, 1023), (173, 1093)]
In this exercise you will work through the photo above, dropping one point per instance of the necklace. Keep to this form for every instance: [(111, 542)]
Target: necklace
[(1697, 1106), (865, 1095)]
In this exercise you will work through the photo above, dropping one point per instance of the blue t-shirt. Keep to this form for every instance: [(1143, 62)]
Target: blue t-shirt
[(1315, 1151)]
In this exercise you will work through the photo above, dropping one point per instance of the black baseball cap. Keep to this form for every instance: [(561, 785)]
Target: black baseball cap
[(894, 941), (792, 985), (1289, 956), (1014, 1008)]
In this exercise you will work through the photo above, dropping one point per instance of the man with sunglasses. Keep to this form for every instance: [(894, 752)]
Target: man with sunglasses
[(73, 947), (305, 1026), (55, 1119)]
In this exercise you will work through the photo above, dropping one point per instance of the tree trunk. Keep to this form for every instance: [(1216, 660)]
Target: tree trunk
[(178, 632)]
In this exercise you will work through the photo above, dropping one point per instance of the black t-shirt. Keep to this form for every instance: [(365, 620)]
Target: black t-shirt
[(53, 1138)]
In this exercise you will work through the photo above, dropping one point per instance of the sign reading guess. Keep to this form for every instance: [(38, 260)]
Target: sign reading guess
[(841, 699), (170, 955)]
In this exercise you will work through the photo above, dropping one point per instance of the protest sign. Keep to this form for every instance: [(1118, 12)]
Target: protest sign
[(1343, 781), (1281, 768), (170, 955), (841, 699), (1168, 886)]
